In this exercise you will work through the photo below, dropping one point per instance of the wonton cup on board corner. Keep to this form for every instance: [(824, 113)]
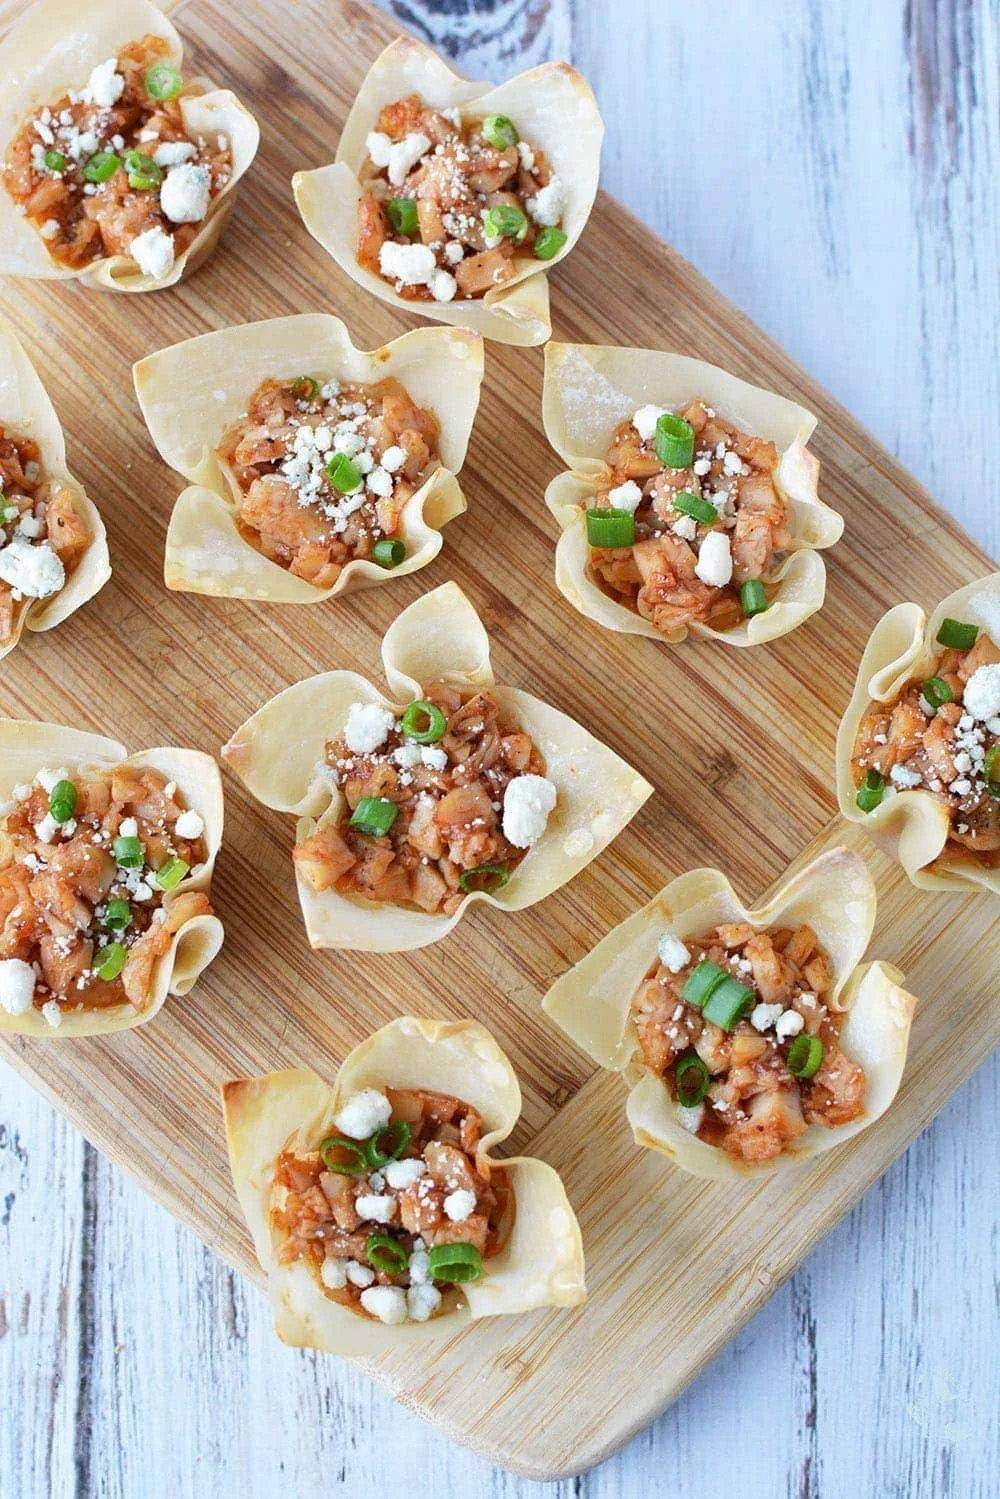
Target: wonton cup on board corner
[(26, 411), (589, 389), (27, 747), (835, 895), (50, 52), (278, 753), (541, 1262), (555, 109), (912, 826), (191, 392)]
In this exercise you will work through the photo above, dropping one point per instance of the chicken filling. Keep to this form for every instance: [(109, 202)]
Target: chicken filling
[(42, 538), (90, 859), (111, 170), (441, 800), (321, 472), (688, 524), (740, 1026), (449, 207), (395, 1207)]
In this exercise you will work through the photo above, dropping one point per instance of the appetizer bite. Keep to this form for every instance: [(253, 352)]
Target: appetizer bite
[(453, 198), (918, 752), (750, 1039), (690, 503), (377, 1210), (314, 468), (116, 170), (53, 547), (105, 867), (449, 791)]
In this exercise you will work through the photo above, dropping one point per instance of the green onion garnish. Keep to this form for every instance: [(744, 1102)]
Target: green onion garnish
[(488, 877), (143, 173), (332, 1151), (101, 167), (956, 635), (991, 769), (170, 874), (503, 221), (804, 1056), (305, 389), (128, 852), (374, 815), (693, 505), (118, 914), (342, 473), (387, 1144), (607, 528), (456, 1262), (386, 1254), (424, 723), (163, 81), (55, 161), (110, 961), (753, 599), (548, 242), (62, 801), (388, 553), (403, 215), (728, 1003), (871, 791), (936, 693), (9, 513), (500, 132), (692, 1079), (699, 985), (674, 441)]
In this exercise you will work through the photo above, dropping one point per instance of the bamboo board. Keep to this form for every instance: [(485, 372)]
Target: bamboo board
[(738, 744)]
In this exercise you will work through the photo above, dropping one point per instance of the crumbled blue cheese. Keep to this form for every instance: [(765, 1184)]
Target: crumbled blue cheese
[(903, 777), (393, 459), (185, 193), (402, 1174), (375, 1208), (17, 985), (404, 155), (527, 802), (715, 561), (52, 1013), (788, 1024), (672, 952), (410, 265), (333, 1273), (981, 698), (764, 1017), (105, 85), (359, 1275), (422, 1302), (367, 728), (172, 153), (153, 252), (627, 496), (189, 825), (387, 1303), (645, 421), (420, 1264), (363, 1113), (549, 203), (378, 147), (460, 1204), (33, 571)]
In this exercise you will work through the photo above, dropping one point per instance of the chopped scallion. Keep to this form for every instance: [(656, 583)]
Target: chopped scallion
[(342, 474), (608, 528), (548, 242), (728, 1003), (55, 161), (692, 1079), (871, 791), (110, 961), (374, 815), (143, 173), (62, 801), (170, 874), (386, 1254), (504, 221), (305, 389), (387, 1144), (753, 599), (699, 985), (101, 167), (674, 441), (693, 505), (500, 131), (388, 553), (936, 693), (402, 214), (804, 1056), (456, 1263), (163, 81), (488, 877), (424, 722), (956, 635), (118, 914), (345, 1157), (128, 852)]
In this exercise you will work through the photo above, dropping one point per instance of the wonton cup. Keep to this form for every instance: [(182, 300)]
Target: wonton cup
[(834, 895), (589, 389), (189, 393), (912, 826), (26, 748), (26, 411), (541, 1263), (552, 106), (277, 752), (52, 51)]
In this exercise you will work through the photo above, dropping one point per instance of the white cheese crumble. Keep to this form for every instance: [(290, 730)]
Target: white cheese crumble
[(981, 697), (172, 153), (903, 777), (393, 459), (378, 147), (402, 1174), (363, 1113), (549, 203), (527, 803), (763, 1017), (645, 421), (526, 155), (443, 286), (52, 1013), (379, 482), (454, 251), (367, 728), (378, 1209), (410, 265), (34, 571), (48, 779), (433, 757), (360, 1275), (333, 1273), (153, 252), (404, 155), (47, 829), (422, 1302), (788, 1024), (672, 952), (715, 560), (460, 1204), (105, 85), (691, 1118), (185, 192), (387, 1303), (420, 1268), (189, 825), (17, 985), (128, 827), (627, 496)]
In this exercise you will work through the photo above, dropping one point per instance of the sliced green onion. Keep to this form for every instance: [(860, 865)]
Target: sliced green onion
[(118, 914), (143, 173), (386, 1254), (500, 132), (871, 791), (388, 553), (55, 161), (110, 961), (693, 505), (607, 528), (62, 801), (753, 599), (128, 852), (101, 167), (936, 692), (170, 874), (387, 1144), (548, 242), (503, 221), (692, 1079), (699, 985), (728, 1003), (374, 815), (163, 81), (456, 1262), (305, 389), (403, 215), (333, 1150), (956, 635), (424, 723), (992, 766), (488, 877), (342, 473), (674, 441), (804, 1056), (9, 513)]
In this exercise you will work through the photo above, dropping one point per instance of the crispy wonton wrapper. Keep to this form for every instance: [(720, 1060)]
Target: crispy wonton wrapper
[(590, 389), (541, 1263), (552, 106), (51, 52), (834, 895), (190, 392), (279, 754), (26, 411), (27, 747), (912, 826)]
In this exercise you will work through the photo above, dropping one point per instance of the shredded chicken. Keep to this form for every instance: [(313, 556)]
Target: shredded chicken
[(35, 512)]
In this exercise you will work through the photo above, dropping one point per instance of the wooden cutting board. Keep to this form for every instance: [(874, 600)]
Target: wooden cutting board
[(738, 744)]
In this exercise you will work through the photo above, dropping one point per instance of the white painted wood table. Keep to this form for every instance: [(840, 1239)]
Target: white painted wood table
[(832, 167)]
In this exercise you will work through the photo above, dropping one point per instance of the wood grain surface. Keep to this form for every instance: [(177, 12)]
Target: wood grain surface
[(269, 1000)]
